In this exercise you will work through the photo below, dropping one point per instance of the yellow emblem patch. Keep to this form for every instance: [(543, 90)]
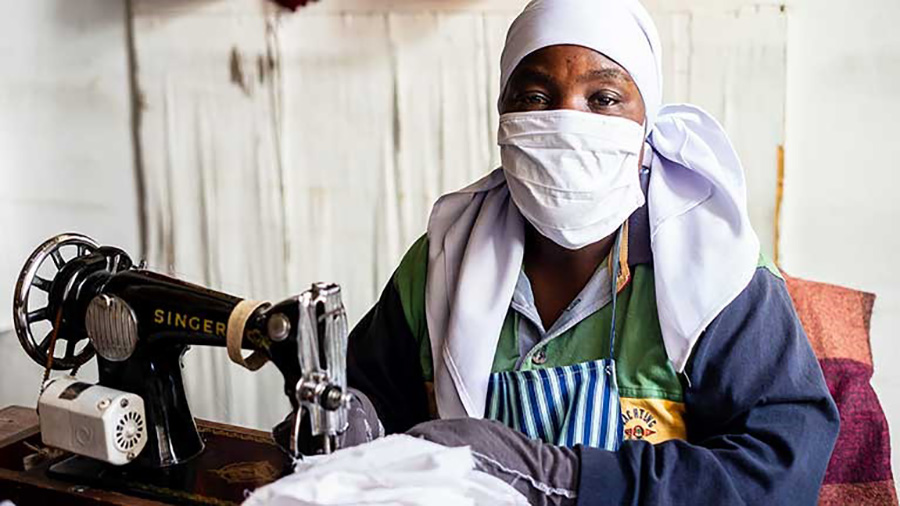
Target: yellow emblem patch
[(653, 420)]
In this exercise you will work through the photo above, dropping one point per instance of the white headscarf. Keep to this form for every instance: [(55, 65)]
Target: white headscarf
[(704, 249), (621, 30)]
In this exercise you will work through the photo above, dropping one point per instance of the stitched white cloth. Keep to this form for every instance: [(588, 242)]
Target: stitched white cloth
[(396, 470), (704, 248)]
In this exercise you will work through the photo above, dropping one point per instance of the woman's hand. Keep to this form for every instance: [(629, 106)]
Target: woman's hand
[(545, 474)]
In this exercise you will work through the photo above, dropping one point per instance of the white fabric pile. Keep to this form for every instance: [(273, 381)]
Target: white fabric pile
[(395, 470)]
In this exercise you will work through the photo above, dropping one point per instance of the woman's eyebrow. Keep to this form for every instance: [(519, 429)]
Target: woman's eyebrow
[(607, 74), (532, 75)]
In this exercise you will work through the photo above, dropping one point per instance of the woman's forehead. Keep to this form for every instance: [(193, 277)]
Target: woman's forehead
[(581, 62)]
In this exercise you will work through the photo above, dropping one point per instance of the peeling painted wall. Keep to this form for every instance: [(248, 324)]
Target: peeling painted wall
[(210, 138)]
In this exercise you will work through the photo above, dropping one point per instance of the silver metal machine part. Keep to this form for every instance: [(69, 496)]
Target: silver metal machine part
[(279, 327), (112, 327), (322, 390)]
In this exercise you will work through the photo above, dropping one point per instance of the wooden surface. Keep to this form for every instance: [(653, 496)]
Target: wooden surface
[(17, 422), (236, 459)]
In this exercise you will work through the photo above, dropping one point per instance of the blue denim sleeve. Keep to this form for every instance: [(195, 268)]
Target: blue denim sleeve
[(761, 422)]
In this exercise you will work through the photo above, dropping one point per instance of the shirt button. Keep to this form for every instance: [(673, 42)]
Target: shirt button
[(539, 358)]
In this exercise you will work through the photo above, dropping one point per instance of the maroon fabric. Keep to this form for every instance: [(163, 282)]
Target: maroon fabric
[(836, 320), (863, 450)]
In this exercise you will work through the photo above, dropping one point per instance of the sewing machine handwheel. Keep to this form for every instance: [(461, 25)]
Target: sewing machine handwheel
[(30, 283)]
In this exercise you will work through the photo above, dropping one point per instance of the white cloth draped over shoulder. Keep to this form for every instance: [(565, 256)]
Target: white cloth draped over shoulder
[(704, 249)]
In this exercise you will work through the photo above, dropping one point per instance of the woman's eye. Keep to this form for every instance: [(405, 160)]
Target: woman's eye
[(601, 100), (532, 99)]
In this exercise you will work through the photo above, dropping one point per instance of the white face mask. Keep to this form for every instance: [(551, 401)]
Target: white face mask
[(573, 175)]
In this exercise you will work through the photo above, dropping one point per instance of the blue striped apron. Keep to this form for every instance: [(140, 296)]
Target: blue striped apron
[(566, 406)]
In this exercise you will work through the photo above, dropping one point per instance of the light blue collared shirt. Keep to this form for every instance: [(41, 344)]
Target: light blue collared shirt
[(531, 333)]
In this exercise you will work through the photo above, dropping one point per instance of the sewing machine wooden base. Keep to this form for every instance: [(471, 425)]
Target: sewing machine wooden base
[(236, 460)]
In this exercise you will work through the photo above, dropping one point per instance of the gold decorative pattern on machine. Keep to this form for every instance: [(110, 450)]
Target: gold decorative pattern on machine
[(247, 472)]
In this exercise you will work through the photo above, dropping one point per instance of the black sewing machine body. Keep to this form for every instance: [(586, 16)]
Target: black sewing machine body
[(140, 323)]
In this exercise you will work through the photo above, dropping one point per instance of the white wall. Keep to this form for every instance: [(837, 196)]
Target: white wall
[(842, 164), (65, 146)]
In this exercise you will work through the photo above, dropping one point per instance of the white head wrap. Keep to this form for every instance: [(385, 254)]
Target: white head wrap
[(621, 30), (704, 249)]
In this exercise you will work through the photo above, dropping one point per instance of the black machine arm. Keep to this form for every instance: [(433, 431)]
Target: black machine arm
[(140, 323)]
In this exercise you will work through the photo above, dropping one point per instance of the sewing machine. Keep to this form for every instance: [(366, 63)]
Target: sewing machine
[(75, 299)]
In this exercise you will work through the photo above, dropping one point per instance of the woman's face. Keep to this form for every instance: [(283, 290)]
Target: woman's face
[(572, 77)]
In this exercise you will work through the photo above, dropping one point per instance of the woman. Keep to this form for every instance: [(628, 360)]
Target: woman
[(594, 318)]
